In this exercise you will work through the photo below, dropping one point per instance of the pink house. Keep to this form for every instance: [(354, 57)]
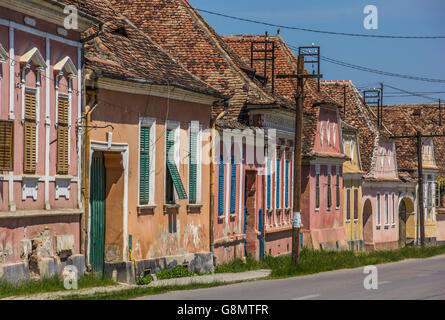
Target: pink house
[(40, 104), (380, 189)]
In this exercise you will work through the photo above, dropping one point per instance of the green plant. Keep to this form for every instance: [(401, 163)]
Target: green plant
[(144, 280), (176, 272), (442, 188)]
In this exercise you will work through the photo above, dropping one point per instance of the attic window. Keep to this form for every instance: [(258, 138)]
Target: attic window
[(120, 31), (417, 112)]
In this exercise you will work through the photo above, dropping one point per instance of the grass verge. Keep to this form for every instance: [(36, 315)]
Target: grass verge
[(319, 261), (52, 284)]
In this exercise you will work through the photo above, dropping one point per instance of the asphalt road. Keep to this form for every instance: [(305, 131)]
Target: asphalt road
[(409, 279)]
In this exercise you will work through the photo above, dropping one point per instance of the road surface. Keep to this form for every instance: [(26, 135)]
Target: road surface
[(408, 279)]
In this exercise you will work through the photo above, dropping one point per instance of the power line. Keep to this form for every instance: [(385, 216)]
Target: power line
[(412, 93), (385, 73), (319, 31)]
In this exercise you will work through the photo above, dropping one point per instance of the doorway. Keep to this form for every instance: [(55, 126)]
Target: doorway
[(367, 223), (250, 213)]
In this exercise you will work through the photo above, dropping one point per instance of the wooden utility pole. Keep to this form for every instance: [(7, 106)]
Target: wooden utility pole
[(420, 186), (297, 162)]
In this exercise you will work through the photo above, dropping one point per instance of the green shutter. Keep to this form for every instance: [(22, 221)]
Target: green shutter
[(144, 166), (193, 166), (170, 151)]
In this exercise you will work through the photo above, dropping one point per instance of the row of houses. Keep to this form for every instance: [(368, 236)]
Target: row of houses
[(143, 139)]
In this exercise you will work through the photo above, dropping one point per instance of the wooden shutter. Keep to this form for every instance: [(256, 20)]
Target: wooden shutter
[(221, 186), (356, 204), (269, 184), (6, 145), (30, 128), (348, 204), (174, 173), (286, 185), (30, 147), (144, 166), (278, 183), (193, 166), (62, 136), (317, 191), (329, 194), (233, 187)]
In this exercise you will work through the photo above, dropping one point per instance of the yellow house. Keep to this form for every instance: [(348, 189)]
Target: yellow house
[(352, 189)]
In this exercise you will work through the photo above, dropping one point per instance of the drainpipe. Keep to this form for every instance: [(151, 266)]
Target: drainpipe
[(89, 108), (212, 181)]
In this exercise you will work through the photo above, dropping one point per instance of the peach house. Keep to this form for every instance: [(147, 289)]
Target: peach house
[(146, 155), (40, 105)]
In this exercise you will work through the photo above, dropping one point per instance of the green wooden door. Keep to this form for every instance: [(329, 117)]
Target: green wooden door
[(97, 207)]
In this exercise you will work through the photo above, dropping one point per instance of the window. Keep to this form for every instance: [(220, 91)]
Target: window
[(144, 165), (337, 187), (386, 213), (334, 134), (329, 192), (321, 133), (6, 145), (62, 135), (30, 128), (348, 204), (269, 184), (193, 162), (378, 215), (351, 151), (286, 185), (317, 187), (221, 186), (355, 204), (172, 177), (328, 133), (233, 186), (278, 185)]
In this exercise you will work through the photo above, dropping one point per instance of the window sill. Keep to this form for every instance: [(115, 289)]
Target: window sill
[(146, 209), (194, 208), (393, 225), (378, 227), (386, 226), (355, 220), (221, 218), (233, 216), (348, 221), (63, 177), (317, 209), (171, 206)]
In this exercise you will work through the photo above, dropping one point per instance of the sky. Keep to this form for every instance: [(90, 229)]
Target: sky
[(422, 58)]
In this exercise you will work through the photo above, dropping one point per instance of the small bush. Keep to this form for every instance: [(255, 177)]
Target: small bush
[(176, 272), (144, 280)]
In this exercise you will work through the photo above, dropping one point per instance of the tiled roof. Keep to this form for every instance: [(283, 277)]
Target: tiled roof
[(183, 32), (131, 55), (400, 119), (286, 63), (359, 116)]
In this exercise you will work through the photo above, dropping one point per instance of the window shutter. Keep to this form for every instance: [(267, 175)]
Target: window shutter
[(278, 183), (317, 191), (233, 187), (221, 187), (62, 149), (172, 166), (269, 184), (144, 165), (193, 165), (286, 185), (62, 136), (348, 204), (355, 204), (6, 145), (29, 160)]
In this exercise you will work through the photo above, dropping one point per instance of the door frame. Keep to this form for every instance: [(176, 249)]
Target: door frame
[(123, 148)]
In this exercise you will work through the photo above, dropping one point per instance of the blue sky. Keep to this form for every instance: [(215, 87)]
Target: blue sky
[(425, 58)]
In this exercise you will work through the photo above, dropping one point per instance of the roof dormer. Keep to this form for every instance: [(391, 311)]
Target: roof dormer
[(65, 66), (33, 56)]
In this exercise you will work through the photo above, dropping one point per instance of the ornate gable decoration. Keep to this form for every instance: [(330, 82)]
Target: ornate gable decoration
[(67, 66), (35, 57)]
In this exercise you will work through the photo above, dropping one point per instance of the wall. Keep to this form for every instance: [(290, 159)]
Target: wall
[(149, 228)]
